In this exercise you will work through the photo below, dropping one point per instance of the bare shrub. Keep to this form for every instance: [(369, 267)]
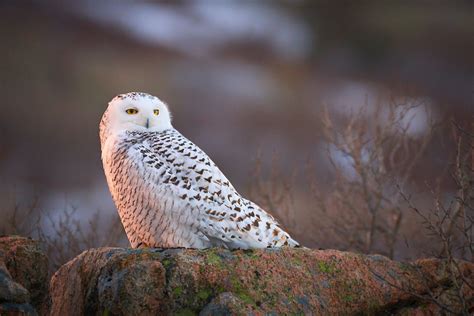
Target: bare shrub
[(450, 224), (66, 236), (63, 235), (378, 154), (449, 220), (19, 218), (370, 153)]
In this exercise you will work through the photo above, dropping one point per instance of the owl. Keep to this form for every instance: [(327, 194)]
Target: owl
[(168, 192)]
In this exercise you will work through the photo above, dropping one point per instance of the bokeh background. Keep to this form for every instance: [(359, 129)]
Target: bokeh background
[(248, 81)]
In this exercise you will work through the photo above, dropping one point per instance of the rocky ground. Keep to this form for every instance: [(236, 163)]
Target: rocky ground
[(117, 281)]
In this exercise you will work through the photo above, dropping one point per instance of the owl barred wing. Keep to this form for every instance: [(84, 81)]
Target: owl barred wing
[(197, 185), (207, 209)]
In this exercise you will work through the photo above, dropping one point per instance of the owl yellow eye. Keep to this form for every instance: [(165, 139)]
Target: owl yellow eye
[(131, 111), (156, 112)]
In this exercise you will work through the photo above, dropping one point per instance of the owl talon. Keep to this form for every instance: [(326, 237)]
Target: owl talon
[(143, 245)]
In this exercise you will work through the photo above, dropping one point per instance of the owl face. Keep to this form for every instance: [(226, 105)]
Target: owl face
[(137, 112)]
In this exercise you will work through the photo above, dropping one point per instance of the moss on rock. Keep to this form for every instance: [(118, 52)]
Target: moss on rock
[(221, 282)]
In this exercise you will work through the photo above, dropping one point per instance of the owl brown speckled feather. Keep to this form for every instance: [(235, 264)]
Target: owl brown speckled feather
[(168, 192)]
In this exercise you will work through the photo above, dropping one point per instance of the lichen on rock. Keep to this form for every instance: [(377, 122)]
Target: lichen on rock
[(218, 282)]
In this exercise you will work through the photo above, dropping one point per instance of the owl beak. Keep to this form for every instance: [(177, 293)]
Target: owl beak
[(147, 125)]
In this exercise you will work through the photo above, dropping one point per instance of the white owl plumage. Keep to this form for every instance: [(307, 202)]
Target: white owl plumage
[(168, 192)]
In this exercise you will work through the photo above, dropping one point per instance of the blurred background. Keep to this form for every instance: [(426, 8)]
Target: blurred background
[(322, 113)]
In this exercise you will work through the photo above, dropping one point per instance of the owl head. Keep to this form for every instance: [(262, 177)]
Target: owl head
[(134, 111)]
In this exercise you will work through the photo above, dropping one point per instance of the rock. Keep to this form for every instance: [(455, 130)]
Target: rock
[(226, 304), (10, 291), (24, 277), (117, 281)]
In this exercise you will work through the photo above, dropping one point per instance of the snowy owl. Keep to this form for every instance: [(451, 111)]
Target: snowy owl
[(168, 192)]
